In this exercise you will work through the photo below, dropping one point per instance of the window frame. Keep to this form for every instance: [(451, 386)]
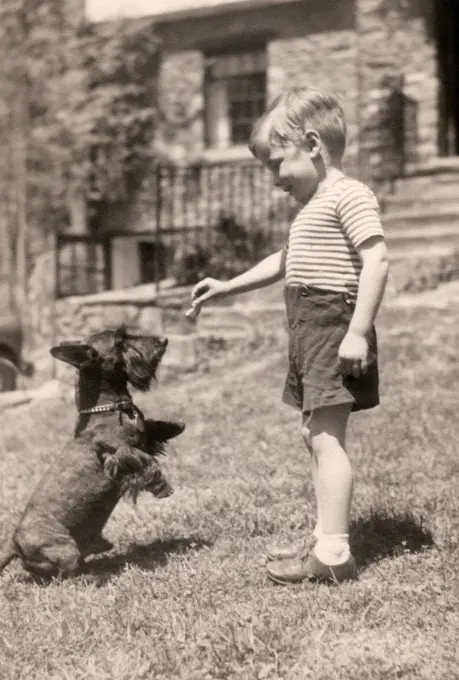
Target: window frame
[(226, 52)]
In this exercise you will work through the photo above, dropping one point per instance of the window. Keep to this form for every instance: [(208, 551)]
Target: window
[(152, 258), (235, 95), (83, 265)]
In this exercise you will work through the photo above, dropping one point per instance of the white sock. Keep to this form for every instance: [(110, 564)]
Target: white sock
[(332, 549)]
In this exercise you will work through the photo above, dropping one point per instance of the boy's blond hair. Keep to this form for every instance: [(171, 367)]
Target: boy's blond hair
[(292, 113)]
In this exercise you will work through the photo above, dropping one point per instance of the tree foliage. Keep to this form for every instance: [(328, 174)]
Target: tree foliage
[(104, 109), (79, 100)]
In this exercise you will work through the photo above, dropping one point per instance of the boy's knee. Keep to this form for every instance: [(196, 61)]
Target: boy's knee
[(316, 443), (322, 442), (326, 428)]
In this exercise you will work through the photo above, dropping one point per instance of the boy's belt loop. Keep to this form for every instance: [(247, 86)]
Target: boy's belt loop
[(348, 299)]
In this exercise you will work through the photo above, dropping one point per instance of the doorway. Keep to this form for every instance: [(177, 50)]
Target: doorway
[(446, 23)]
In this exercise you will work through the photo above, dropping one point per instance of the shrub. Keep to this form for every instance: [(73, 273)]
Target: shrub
[(235, 248)]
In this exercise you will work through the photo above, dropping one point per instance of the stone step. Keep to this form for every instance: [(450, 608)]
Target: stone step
[(422, 179), (429, 197), (415, 231), (421, 252), (221, 319), (248, 320), (422, 248), (440, 165), (447, 216), (427, 185)]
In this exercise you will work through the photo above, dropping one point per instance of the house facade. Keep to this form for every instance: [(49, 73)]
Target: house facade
[(224, 60)]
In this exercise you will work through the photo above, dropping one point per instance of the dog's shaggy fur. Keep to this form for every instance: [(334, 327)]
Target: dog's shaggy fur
[(114, 452)]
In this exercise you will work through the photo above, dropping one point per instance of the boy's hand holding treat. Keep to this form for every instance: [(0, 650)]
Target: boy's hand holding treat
[(193, 312)]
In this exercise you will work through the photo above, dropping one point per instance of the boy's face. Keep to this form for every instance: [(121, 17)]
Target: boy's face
[(294, 171)]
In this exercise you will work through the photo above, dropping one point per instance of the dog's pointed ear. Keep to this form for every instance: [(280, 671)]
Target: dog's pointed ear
[(161, 430), (74, 353)]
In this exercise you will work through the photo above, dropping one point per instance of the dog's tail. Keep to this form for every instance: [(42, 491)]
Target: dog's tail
[(8, 553)]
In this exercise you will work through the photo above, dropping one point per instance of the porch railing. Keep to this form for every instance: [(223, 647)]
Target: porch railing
[(204, 220)]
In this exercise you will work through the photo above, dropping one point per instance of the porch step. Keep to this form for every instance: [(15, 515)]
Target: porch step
[(420, 252), (408, 239), (437, 195), (421, 217), (220, 320), (223, 320), (423, 186), (435, 166), (445, 217)]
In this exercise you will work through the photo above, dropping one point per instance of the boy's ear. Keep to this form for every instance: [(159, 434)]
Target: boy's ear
[(313, 142), (73, 353)]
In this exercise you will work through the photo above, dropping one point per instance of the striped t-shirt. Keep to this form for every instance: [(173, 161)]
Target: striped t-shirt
[(325, 235)]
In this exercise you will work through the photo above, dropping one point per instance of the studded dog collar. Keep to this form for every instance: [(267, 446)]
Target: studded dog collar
[(114, 406), (126, 406)]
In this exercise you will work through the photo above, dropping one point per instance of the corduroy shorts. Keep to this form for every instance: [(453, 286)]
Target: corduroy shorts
[(318, 320)]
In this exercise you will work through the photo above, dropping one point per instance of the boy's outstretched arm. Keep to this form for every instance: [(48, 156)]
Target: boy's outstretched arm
[(373, 278), (268, 271)]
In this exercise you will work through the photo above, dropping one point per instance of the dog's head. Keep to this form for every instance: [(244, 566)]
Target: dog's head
[(111, 359)]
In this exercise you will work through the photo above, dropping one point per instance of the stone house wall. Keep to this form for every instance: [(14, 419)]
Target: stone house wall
[(348, 48), (314, 45), (400, 42)]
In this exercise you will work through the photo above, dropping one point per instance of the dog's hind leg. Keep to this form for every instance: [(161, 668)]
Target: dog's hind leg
[(63, 558), (48, 551), (55, 561)]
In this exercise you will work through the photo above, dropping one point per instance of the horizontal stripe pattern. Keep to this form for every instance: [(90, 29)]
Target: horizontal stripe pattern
[(322, 248)]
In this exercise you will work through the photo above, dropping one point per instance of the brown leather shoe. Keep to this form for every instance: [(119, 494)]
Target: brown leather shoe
[(311, 569)]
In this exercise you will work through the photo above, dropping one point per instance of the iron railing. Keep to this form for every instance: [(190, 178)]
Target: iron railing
[(203, 220)]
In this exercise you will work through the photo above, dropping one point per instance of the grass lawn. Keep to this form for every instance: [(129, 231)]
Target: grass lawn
[(184, 594)]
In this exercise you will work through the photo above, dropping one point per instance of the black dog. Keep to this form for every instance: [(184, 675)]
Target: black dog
[(114, 452)]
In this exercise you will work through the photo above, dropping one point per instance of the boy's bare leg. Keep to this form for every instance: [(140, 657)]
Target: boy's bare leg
[(330, 468), (324, 433)]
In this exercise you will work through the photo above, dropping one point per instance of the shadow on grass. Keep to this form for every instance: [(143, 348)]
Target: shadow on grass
[(382, 535), (148, 557), (101, 570)]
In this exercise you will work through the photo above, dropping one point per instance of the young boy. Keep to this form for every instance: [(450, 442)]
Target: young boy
[(335, 268)]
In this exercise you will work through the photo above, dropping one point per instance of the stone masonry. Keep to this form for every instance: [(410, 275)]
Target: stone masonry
[(393, 42), (349, 49)]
